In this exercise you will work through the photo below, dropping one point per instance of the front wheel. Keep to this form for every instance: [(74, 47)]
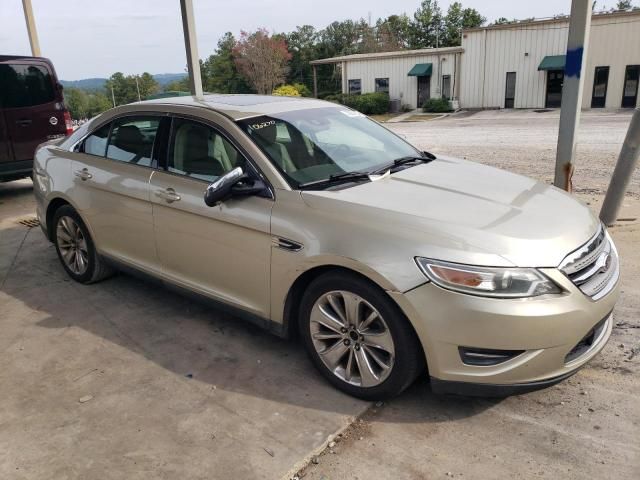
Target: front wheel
[(358, 338)]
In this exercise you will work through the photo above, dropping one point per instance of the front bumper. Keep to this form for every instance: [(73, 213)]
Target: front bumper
[(547, 329)]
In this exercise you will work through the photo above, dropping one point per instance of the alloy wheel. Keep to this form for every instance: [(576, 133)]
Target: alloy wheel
[(352, 338), (72, 245)]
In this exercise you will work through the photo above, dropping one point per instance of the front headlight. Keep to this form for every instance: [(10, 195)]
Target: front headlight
[(487, 281)]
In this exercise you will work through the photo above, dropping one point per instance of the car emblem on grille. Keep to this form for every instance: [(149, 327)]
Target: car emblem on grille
[(53, 121)]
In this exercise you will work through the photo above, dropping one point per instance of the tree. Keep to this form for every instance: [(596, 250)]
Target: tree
[(77, 102), (502, 21), (98, 103), (427, 26), (178, 85), (125, 89), (262, 60), (394, 32), (219, 72), (302, 46), (623, 5)]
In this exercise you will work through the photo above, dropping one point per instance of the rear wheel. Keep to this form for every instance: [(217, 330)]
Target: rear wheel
[(75, 247), (358, 338)]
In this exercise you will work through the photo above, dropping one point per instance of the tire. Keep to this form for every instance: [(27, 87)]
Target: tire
[(91, 268), (336, 348)]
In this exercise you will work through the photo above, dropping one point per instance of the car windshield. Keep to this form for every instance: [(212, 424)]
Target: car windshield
[(313, 144)]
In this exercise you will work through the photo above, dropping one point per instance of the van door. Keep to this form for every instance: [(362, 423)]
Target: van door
[(32, 106)]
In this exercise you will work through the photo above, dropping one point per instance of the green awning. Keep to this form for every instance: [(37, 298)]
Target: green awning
[(552, 62), (420, 70)]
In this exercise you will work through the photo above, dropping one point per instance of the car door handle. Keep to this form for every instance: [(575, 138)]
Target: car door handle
[(169, 195), (24, 122), (83, 174)]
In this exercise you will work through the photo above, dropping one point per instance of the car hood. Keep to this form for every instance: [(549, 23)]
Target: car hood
[(465, 212)]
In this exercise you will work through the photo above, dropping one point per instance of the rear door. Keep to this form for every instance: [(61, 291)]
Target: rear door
[(111, 188), (32, 105)]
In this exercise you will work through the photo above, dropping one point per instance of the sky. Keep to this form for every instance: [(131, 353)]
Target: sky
[(90, 38)]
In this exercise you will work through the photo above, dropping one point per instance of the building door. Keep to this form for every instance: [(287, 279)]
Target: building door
[(630, 90), (424, 88), (555, 79), (600, 81), (510, 90)]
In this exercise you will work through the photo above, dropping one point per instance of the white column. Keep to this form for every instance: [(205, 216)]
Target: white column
[(191, 46), (31, 28), (579, 26)]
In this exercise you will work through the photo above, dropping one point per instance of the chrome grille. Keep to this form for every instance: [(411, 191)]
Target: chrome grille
[(594, 267)]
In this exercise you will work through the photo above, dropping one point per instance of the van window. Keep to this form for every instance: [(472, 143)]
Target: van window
[(96, 143), (132, 140), (23, 85)]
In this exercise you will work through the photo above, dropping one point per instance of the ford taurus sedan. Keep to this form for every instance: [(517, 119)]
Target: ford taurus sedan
[(316, 222)]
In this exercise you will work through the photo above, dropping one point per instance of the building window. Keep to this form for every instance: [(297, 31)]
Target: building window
[(355, 87), (382, 85), (446, 87)]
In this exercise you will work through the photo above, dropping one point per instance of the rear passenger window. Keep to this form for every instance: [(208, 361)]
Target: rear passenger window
[(132, 138), (96, 143), (25, 85)]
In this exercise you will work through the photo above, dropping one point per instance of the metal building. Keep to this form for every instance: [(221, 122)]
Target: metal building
[(516, 65), (412, 76), (521, 65)]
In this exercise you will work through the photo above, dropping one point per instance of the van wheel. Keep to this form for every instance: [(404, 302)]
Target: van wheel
[(75, 247), (358, 338)]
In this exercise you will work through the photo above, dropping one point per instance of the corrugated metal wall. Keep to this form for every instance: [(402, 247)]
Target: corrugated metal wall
[(614, 42), (396, 69)]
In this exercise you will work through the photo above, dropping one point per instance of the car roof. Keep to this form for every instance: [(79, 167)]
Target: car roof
[(240, 106), (10, 58)]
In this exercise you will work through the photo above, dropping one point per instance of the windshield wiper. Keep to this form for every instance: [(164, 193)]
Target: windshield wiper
[(403, 161), (335, 179)]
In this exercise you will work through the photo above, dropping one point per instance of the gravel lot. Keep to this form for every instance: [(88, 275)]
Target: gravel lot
[(525, 142)]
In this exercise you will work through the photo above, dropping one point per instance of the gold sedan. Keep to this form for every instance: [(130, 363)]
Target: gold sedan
[(307, 217)]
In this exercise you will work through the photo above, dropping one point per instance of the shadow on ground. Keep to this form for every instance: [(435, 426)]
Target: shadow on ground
[(181, 335)]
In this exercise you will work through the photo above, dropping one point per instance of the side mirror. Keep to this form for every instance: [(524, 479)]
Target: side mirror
[(233, 184), (221, 188)]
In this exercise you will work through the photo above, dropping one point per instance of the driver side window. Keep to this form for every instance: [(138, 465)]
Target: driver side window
[(200, 151)]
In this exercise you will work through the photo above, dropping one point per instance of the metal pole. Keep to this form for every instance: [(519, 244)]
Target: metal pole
[(191, 46), (315, 82), (113, 97), (138, 88), (31, 28), (621, 177), (579, 26)]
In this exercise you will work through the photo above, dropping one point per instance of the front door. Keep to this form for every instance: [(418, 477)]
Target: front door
[(555, 79), (224, 251), (630, 89), (111, 181), (424, 88), (600, 81)]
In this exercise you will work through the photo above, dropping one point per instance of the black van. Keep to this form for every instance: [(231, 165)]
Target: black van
[(32, 111)]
